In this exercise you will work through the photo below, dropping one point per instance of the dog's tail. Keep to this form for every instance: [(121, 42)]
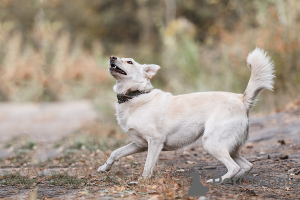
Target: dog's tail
[(262, 75)]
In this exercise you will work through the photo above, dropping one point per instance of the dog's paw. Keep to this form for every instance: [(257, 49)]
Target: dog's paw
[(103, 168), (214, 180), (209, 181)]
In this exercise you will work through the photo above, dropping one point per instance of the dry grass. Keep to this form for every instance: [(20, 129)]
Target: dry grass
[(54, 72)]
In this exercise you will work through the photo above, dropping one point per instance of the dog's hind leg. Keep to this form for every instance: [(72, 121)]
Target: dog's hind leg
[(220, 152), (245, 165), (126, 150)]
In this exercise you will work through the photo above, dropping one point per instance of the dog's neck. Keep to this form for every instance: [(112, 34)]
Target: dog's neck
[(123, 87), (126, 91), (122, 98)]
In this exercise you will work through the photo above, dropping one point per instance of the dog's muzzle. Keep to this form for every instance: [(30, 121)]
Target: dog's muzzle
[(114, 67)]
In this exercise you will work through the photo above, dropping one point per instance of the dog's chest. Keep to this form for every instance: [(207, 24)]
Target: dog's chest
[(129, 121), (140, 117), (128, 116), (122, 117)]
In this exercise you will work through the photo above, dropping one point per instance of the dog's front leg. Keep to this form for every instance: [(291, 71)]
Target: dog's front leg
[(155, 146), (126, 150)]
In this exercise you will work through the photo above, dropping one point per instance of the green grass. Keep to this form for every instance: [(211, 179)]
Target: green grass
[(11, 142), (63, 179), (20, 143), (29, 144), (16, 179), (91, 143), (69, 156), (22, 149), (60, 179), (22, 156), (84, 144)]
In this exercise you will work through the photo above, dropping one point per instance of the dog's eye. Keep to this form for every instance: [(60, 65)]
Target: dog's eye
[(129, 62)]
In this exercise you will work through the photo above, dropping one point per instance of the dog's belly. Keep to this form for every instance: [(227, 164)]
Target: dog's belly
[(183, 136)]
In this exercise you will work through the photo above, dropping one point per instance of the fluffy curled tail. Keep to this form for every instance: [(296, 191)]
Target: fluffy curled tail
[(262, 75)]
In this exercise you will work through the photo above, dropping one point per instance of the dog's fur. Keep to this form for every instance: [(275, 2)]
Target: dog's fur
[(158, 121)]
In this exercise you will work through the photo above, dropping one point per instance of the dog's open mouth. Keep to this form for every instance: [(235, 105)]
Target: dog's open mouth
[(115, 68)]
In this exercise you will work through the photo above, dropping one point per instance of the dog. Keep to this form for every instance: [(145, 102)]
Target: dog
[(158, 121)]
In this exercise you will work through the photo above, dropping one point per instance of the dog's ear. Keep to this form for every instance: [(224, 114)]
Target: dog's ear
[(151, 70)]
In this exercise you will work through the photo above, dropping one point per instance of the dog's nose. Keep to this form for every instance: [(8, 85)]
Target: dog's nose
[(112, 58)]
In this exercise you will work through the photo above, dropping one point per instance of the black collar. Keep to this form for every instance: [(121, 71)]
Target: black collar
[(122, 98)]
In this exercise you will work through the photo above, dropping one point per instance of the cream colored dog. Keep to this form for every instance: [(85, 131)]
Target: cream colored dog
[(157, 120)]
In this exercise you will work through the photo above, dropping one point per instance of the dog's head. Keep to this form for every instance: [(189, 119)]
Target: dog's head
[(131, 75)]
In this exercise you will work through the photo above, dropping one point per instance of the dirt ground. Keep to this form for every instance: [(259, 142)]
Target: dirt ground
[(66, 168)]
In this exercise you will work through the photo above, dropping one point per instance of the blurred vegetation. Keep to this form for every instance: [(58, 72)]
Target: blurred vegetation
[(58, 49)]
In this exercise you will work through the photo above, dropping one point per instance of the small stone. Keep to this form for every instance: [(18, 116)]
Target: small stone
[(250, 192), (284, 157), (209, 167), (132, 183), (295, 171), (282, 142)]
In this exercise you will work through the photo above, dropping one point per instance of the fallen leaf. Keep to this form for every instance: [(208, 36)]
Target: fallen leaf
[(155, 197), (190, 162), (120, 188)]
